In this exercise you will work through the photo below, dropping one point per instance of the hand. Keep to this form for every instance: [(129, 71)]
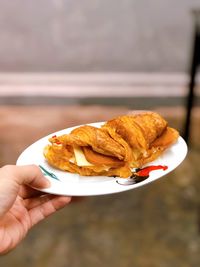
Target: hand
[(21, 206)]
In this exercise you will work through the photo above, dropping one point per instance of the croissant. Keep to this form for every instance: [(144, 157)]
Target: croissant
[(113, 149)]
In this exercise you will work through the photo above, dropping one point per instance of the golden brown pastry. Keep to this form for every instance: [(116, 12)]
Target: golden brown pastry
[(112, 150), (147, 134)]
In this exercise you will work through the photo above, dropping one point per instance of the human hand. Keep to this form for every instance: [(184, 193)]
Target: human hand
[(21, 206)]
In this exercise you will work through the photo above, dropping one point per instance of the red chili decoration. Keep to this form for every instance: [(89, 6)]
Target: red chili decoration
[(145, 171), (58, 142)]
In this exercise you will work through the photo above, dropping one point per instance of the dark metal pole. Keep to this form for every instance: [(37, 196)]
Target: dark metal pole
[(193, 70)]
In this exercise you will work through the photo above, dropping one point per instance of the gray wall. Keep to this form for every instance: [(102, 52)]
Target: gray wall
[(95, 35)]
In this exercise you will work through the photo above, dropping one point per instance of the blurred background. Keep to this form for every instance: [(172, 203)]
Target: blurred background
[(64, 63)]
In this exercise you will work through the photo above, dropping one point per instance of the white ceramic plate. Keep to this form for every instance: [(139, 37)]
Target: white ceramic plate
[(76, 185)]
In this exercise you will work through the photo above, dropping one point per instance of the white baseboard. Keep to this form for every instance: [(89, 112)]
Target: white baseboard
[(95, 84)]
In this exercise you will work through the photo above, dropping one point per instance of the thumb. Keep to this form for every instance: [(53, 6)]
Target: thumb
[(27, 175), (12, 177)]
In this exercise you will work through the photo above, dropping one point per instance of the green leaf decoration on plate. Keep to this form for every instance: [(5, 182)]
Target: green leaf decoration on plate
[(47, 173)]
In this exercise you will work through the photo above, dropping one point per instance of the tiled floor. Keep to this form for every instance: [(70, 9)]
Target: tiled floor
[(157, 225)]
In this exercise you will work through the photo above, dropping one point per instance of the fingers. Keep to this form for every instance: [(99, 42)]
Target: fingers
[(27, 192), (33, 202), (29, 174), (45, 207)]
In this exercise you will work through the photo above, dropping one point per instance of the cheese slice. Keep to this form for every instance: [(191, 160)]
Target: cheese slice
[(81, 161)]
